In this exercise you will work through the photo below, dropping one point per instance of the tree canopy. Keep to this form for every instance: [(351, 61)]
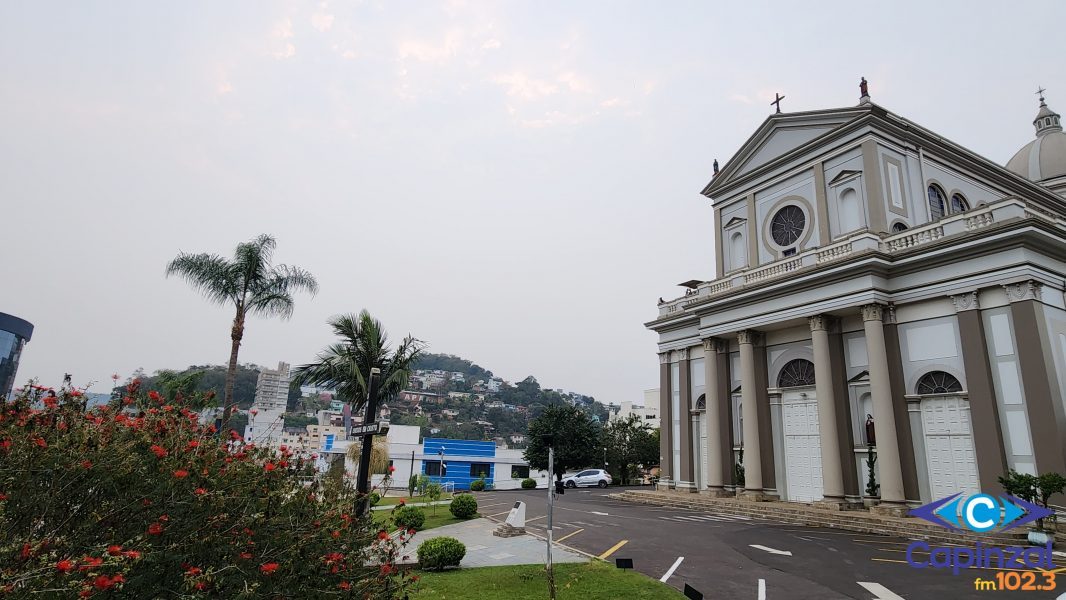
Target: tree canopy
[(630, 444), (577, 439)]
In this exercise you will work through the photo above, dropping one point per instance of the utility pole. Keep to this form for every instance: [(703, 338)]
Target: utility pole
[(551, 505), (362, 487)]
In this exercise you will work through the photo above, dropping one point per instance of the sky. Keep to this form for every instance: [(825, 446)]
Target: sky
[(516, 183)]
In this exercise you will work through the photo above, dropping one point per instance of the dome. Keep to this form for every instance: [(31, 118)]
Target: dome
[(1045, 157)]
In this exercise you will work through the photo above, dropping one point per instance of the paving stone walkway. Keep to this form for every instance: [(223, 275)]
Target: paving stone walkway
[(486, 550)]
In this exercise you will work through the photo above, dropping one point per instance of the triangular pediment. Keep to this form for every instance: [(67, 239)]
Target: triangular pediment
[(735, 221), (844, 176), (862, 377), (779, 136)]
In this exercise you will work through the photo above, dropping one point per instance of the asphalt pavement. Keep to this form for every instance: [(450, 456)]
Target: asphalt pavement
[(728, 556)]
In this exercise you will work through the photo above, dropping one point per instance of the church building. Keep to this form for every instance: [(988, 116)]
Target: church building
[(879, 289)]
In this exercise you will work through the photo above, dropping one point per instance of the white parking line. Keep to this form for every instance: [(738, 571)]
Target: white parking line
[(879, 591), (672, 569), (762, 589)]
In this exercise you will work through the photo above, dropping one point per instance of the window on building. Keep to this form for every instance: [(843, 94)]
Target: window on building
[(937, 209), (519, 471), (479, 469), (738, 256), (899, 227), (959, 204), (796, 373), (938, 382), (701, 402), (788, 225), (433, 468)]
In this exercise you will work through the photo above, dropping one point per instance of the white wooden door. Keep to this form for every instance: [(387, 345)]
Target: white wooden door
[(949, 446), (803, 448)]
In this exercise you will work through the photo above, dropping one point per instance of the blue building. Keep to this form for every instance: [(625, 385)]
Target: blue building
[(463, 461), (14, 333)]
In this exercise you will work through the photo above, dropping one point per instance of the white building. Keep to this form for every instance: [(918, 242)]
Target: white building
[(647, 412), (877, 286), (272, 388)]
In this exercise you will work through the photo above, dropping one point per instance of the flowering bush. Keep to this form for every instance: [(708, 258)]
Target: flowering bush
[(138, 499)]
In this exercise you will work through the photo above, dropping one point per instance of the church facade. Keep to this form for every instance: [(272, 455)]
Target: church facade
[(879, 289)]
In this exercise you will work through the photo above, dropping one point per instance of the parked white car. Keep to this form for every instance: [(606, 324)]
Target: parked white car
[(588, 477)]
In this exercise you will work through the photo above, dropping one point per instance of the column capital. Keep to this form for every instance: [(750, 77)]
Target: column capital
[(873, 312), (713, 344), (749, 336), (1023, 290), (682, 354), (966, 301), (822, 322), (664, 358)]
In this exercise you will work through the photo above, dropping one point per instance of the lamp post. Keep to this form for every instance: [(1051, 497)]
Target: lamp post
[(605, 458)]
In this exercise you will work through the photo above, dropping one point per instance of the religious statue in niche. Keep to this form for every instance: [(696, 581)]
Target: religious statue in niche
[(863, 91), (871, 438)]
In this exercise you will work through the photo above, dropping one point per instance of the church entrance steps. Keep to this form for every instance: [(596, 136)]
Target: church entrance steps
[(858, 520)]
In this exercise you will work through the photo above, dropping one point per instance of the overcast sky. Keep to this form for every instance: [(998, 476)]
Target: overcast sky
[(515, 183)]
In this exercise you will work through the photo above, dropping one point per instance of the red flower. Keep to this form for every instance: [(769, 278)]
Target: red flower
[(283, 463), (65, 566), (344, 585), (131, 554), (86, 464), (192, 444), (269, 568), (5, 444), (193, 571), (245, 555), (254, 412), (336, 534), (383, 535), (90, 562), (411, 531), (154, 395), (155, 529), (392, 469), (199, 491), (200, 585), (51, 401), (3, 496), (40, 442), (114, 550), (181, 473), (402, 502), (26, 552), (158, 450), (103, 582), (269, 467)]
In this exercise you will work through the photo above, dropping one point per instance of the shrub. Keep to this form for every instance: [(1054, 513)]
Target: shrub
[(412, 484), (529, 483), (438, 553), (463, 506), (478, 485), (409, 517), (138, 496), (374, 498)]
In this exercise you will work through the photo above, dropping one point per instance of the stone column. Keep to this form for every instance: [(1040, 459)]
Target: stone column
[(712, 418), (685, 475), (892, 495), (832, 477), (753, 485), (666, 449)]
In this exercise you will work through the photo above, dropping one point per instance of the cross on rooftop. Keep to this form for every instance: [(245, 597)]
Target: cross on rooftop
[(777, 101), (1040, 92)]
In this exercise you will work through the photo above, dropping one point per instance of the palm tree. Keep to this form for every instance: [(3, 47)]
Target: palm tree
[(249, 283), (345, 366)]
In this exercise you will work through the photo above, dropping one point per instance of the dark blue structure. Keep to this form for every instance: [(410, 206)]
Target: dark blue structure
[(14, 333), (464, 461)]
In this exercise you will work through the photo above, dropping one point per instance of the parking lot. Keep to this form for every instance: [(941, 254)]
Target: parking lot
[(729, 556)]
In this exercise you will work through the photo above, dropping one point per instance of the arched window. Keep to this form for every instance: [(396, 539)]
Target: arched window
[(937, 209), (701, 402), (738, 255), (959, 204), (938, 382), (796, 373), (848, 209), (899, 227)]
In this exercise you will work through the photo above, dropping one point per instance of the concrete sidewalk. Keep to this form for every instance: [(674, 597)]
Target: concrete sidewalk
[(486, 550)]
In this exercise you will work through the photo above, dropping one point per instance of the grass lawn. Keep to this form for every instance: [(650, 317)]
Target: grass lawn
[(393, 500), (442, 517), (593, 580)]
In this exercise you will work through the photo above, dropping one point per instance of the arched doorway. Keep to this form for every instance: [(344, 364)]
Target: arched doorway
[(802, 444), (948, 435)]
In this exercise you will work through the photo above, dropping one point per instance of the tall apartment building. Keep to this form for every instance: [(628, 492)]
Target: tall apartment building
[(272, 388)]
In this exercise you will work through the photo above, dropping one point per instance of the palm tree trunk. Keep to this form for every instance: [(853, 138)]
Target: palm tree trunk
[(236, 334)]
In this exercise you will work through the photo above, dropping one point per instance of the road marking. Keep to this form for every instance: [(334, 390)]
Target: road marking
[(506, 512), (672, 569), (771, 550), (602, 514), (535, 518), (762, 589), (687, 518), (613, 549), (879, 591), (572, 533), (494, 504)]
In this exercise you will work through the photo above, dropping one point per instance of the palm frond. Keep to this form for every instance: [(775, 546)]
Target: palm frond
[(208, 274)]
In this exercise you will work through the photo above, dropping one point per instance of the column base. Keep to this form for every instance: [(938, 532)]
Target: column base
[(835, 504), (686, 486), (717, 493), (663, 486), (754, 496), (890, 509)]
